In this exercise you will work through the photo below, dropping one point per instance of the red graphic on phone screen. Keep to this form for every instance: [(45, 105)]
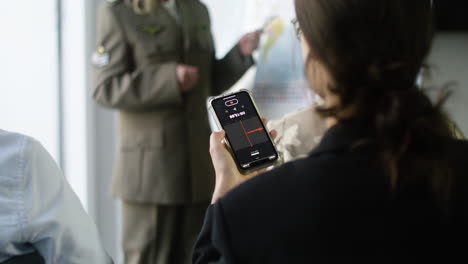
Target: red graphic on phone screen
[(250, 132)]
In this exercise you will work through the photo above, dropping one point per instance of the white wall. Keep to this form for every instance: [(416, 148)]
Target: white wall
[(227, 19), (75, 97), (29, 71), (101, 145), (449, 62), (89, 130)]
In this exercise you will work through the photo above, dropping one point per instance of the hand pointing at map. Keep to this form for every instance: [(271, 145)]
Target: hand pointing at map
[(249, 42)]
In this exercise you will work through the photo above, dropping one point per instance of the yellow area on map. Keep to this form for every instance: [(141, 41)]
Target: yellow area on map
[(273, 30)]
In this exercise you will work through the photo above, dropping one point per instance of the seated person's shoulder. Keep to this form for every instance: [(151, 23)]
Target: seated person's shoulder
[(298, 132), (12, 138), (15, 148), (55, 225), (22, 156), (306, 116)]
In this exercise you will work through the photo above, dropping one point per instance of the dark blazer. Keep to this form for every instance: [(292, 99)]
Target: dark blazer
[(335, 206)]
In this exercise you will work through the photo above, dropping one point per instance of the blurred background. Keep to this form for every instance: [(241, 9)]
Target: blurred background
[(45, 89)]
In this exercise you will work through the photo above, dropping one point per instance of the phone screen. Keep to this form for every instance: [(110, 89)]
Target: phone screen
[(245, 131)]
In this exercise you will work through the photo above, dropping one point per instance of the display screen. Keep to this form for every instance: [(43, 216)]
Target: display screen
[(244, 130)]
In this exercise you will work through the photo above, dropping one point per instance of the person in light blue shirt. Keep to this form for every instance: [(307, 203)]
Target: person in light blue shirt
[(39, 212)]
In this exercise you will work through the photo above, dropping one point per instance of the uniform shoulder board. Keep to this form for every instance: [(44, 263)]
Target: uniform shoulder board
[(113, 2)]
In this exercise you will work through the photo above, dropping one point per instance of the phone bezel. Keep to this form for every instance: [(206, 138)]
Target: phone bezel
[(262, 163)]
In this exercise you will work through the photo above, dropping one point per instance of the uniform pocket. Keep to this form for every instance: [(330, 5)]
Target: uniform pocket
[(128, 173), (160, 47), (150, 138), (164, 169), (168, 40)]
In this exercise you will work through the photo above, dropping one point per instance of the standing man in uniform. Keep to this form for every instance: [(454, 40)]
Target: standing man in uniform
[(155, 63)]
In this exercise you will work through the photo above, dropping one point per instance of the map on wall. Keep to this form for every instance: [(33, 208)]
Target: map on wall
[(280, 86)]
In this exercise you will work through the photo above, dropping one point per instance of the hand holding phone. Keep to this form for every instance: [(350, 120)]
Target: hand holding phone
[(251, 145), (187, 77)]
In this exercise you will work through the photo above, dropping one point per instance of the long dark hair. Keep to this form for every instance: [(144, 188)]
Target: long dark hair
[(374, 51)]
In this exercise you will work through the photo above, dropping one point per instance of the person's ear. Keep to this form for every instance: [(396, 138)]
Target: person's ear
[(305, 49)]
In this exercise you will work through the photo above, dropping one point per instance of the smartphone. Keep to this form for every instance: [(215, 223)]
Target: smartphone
[(249, 140)]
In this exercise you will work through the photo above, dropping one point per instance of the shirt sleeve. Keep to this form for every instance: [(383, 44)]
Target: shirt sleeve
[(54, 221), (228, 70), (213, 243)]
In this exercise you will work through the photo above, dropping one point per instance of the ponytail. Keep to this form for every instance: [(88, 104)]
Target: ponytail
[(410, 129), (373, 52)]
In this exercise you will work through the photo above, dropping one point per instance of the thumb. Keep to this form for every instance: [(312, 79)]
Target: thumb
[(216, 141)]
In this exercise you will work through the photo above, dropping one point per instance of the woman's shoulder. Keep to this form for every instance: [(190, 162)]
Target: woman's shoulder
[(457, 145), (292, 179), (338, 177), (456, 151)]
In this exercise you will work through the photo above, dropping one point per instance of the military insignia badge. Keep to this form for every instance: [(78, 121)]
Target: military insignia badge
[(100, 57), (151, 30)]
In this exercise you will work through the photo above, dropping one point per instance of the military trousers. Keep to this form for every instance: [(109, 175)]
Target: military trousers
[(160, 234)]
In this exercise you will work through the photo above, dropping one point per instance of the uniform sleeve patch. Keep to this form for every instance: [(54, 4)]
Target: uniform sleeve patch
[(100, 57)]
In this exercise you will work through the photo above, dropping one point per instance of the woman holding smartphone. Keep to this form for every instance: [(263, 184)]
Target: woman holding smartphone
[(387, 182)]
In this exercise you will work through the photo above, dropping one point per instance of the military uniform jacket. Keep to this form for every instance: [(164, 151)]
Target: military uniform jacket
[(301, 131), (164, 135), (298, 133)]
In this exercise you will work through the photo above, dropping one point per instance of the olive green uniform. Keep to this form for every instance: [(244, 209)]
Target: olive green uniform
[(301, 131), (163, 171)]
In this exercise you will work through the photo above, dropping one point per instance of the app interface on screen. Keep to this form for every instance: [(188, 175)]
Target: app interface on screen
[(244, 129)]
